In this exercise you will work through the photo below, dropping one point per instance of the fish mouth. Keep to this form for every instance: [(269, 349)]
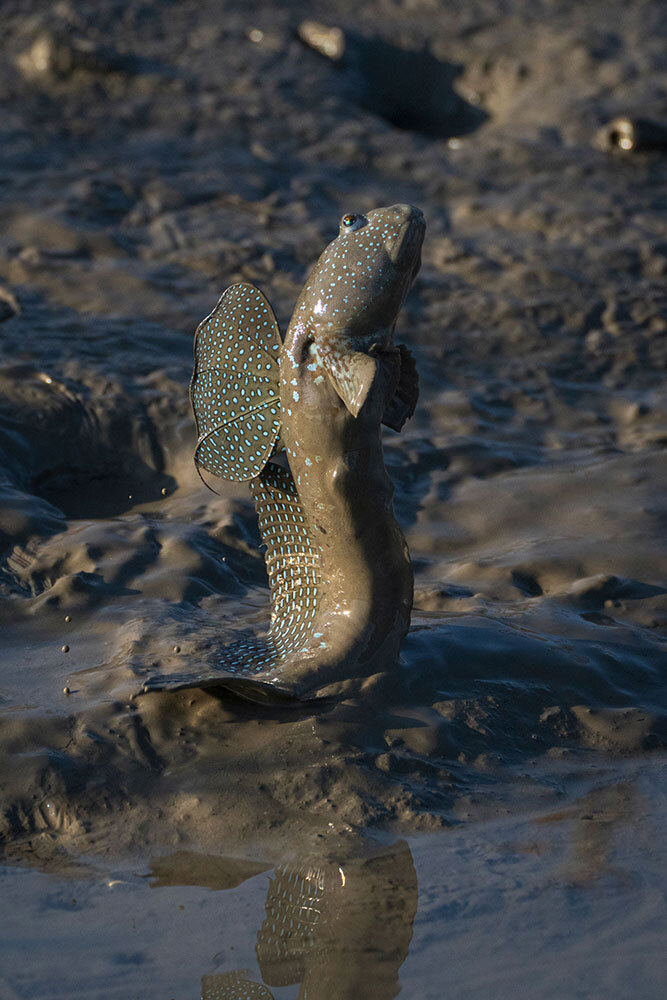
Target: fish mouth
[(404, 248)]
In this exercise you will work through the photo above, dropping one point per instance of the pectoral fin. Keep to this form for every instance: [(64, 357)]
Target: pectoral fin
[(402, 404), (351, 373)]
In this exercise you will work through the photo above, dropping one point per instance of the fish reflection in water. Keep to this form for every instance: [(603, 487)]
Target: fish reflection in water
[(339, 929), (233, 986)]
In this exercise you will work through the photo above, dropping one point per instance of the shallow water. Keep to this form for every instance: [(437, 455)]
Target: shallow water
[(518, 750), (568, 899)]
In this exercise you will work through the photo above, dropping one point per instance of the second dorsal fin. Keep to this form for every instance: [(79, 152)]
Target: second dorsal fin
[(234, 387)]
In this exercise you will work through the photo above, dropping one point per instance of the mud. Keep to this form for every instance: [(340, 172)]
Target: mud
[(154, 153)]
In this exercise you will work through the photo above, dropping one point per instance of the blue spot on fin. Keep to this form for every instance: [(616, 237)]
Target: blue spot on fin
[(235, 385), (292, 561), (293, 567)]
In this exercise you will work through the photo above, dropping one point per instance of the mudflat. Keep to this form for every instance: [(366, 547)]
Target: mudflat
[(512, 774)]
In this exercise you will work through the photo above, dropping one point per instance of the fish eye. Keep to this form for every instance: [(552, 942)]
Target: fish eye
[(351, 222)]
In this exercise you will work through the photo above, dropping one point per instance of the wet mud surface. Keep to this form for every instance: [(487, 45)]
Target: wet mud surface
[(154, 153)]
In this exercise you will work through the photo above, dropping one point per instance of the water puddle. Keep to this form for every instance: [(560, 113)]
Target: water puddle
[(564, 901)]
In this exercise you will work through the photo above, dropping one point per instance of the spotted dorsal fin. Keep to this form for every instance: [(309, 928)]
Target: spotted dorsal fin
[(293, 566), (234, 387), (292, 561)]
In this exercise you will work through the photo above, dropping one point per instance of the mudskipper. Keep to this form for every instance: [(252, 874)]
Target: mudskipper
[(300, 419)]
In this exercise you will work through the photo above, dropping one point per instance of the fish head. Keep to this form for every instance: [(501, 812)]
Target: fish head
[(345, 317), (358, 285)]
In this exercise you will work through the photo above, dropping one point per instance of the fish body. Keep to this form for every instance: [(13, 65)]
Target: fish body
[(339, 371), (339, 568)]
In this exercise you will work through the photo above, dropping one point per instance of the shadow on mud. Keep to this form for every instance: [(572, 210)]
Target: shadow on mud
[(411, 89)]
